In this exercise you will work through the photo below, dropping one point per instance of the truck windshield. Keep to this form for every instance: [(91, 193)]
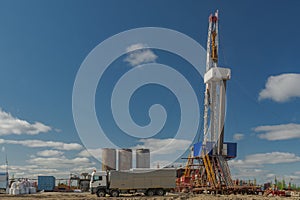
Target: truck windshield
[(97, 178)]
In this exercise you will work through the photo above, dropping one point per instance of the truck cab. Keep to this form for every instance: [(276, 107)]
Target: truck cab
[(98, 183)]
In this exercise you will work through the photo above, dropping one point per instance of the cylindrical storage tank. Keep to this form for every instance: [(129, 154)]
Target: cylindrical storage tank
[(142, 158), (109, 158), (125, 159)]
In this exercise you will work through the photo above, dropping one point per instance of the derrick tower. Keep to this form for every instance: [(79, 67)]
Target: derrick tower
[(207, 164), (214, 151)]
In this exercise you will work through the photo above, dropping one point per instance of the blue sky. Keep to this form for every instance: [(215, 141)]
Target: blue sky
[(44, 43)]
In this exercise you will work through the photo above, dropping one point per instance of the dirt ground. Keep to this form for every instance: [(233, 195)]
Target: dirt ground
[(87, 196)]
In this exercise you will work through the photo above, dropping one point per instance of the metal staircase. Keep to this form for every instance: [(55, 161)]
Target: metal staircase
[(209, 170), (224, 171)]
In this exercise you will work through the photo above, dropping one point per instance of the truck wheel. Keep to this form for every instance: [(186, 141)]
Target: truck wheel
[(101, 193), (160, 192), (114, 193), (150, 193)]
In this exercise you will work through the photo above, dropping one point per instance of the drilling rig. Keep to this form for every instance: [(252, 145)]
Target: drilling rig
[(207, 167), (214, 151)]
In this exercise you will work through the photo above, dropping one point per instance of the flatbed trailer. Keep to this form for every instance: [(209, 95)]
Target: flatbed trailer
[(233, 190)]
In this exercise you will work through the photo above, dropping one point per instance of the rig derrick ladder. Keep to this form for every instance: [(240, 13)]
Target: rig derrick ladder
[(188, 166), (224, 168), (209, 170)]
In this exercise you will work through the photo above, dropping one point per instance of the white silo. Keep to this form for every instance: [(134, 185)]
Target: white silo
[(125, 159), (109, 158), (142, 158)]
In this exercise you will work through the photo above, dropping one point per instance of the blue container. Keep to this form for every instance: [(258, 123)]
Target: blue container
[(46, 183), (231, 149), (197, 149), (3, 180)]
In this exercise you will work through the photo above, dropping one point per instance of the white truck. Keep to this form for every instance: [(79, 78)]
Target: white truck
[(148, 181)]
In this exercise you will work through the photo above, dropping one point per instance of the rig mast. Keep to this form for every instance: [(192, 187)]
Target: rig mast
[(213, 154), (211, 171), (215, 93)]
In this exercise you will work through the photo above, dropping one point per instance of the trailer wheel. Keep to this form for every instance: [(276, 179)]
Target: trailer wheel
[(101, 193), (160, 192), (150, 192), (114, 193)]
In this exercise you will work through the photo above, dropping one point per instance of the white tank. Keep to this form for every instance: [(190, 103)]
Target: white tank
[(125, 159), (142, 158), (109, 158)]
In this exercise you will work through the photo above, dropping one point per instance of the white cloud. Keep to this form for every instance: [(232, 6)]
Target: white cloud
[(238, 136), (250, 173), (256, 160), (134, 47), (164, 146), (81, 169), (45, 170), (50, 153), (281, 88), (241, 164), (41, 143), (91, 152), (13, 125), (58, 162), (270, 175), (84, 153), (272, 158), (26, 169), (279, 132), (138, 54), (253, 166), (58, 167)]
